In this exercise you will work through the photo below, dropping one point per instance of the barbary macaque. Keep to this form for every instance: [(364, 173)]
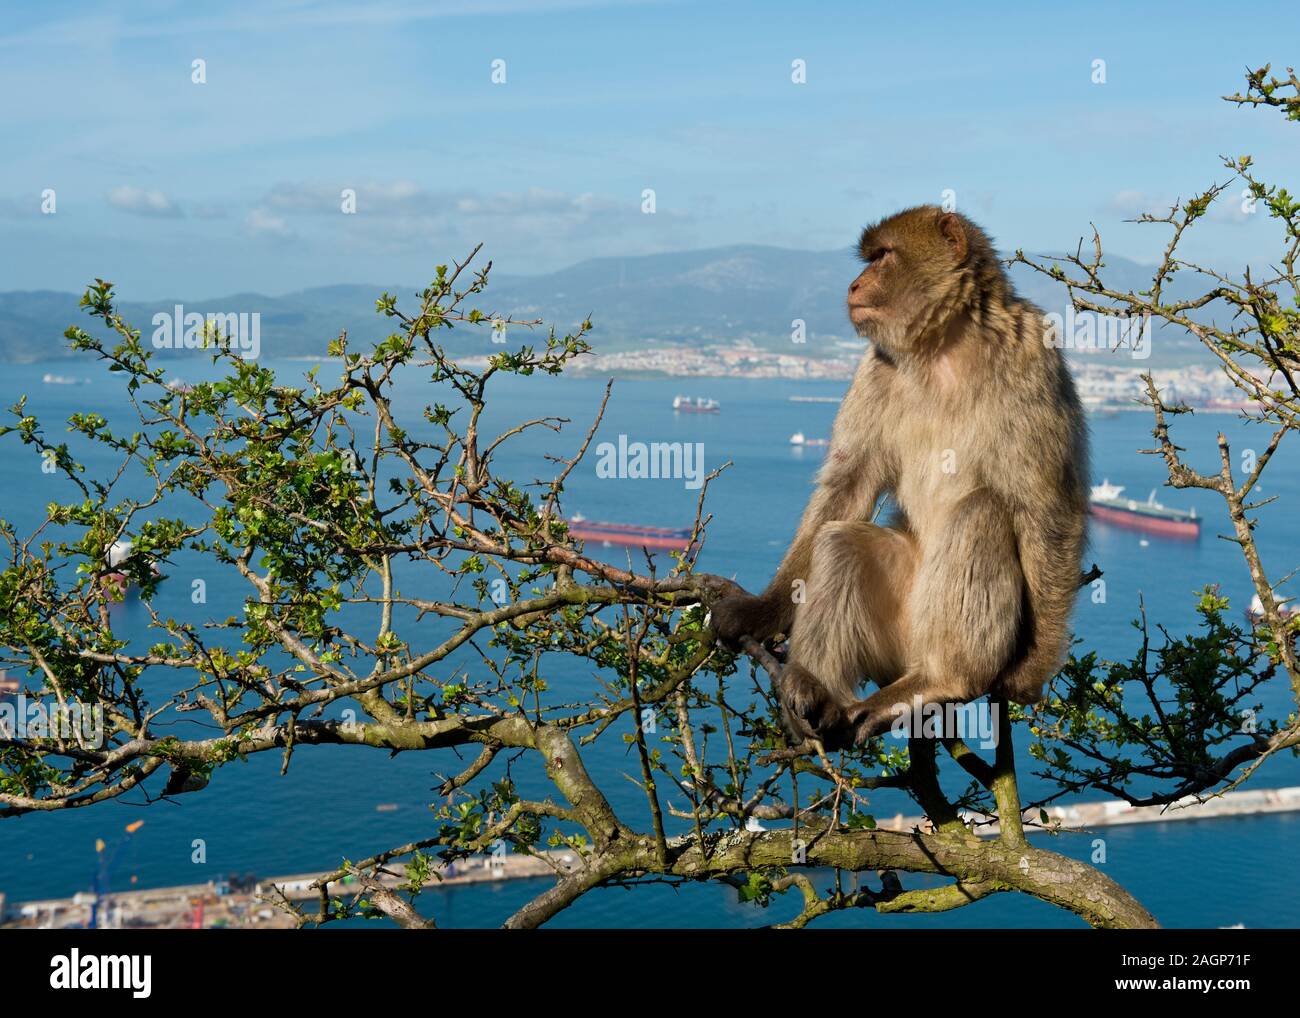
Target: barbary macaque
[(964, 412)]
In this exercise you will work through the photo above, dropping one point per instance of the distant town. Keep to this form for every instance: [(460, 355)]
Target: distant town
[(245, 901), (1105, 382), (1108, 386)]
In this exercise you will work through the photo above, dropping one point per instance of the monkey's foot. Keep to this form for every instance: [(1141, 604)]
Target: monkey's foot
[(809, 711), (865, 721)]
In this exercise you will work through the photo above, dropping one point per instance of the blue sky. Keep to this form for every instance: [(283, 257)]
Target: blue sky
[(172, 188)]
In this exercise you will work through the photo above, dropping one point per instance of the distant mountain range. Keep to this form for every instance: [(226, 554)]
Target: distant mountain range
[(719, 295)]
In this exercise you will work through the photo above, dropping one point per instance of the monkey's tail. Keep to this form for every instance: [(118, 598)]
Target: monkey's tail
[(1024, 680), (1051, 581)]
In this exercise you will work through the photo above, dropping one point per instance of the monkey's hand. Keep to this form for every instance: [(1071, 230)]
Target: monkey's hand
[(810, 712), (738, 615)]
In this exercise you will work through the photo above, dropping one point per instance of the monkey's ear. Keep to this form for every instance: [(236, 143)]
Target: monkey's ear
[(954, 233)]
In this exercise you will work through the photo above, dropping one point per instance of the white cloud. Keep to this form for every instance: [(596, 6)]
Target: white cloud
[(208, 210), (261, 223), (1227, 208), (404, 220), (379, 197), (1131, 203), (1232, 205), (141, 201), (537, 201), (19, 208), (405, 198), (290, 16)]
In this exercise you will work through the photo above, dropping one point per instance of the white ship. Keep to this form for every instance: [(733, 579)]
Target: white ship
[(696, 405), (799, 440)]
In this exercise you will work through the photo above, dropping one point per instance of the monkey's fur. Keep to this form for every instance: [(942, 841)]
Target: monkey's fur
[(964, 411)]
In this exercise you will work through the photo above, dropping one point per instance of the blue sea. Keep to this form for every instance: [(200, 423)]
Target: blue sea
[(1189, 873)]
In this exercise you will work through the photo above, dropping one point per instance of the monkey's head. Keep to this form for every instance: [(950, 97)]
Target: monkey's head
[(924, 267)]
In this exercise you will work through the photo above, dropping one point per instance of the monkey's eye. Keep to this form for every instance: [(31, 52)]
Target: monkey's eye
[(874, 256)]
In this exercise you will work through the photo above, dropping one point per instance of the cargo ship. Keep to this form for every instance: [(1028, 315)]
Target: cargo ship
[(1107, 503), (630, 534), (696, 405)]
